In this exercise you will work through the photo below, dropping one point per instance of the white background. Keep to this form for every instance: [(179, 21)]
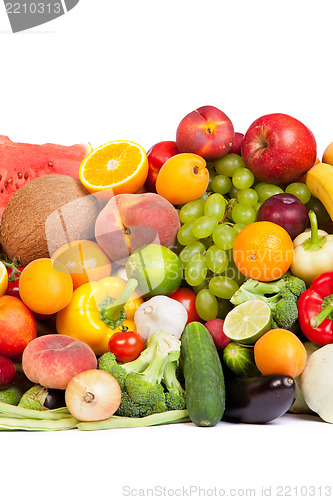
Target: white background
[(131, 70)]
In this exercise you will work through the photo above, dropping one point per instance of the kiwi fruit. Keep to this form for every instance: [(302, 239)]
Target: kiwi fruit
[(45, 214)]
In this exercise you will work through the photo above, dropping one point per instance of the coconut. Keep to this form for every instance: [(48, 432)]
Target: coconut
[(45, 214)]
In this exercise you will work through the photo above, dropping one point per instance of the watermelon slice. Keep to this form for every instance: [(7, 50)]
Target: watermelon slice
[(21, 163)]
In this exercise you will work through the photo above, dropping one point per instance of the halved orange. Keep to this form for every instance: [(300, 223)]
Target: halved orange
[(114, 168)]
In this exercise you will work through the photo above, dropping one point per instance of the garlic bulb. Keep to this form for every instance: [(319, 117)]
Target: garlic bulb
[(160, 313)]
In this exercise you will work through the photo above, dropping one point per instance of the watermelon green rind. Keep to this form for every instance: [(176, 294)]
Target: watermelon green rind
[(21, 163), (239, 360)]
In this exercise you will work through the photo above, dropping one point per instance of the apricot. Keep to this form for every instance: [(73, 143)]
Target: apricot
[(129, 221), (328, 154)]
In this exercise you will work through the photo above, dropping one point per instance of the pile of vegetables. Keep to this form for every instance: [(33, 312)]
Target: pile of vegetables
[(104, 325)]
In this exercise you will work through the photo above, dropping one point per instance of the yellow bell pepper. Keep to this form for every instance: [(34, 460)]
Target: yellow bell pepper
[(81, 318)]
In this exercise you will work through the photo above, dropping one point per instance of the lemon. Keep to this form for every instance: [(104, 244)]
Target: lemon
[(157, 269), (247, 322), (3, 278)]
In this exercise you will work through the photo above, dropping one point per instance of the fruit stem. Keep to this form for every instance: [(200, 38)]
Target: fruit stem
[(112, 311), (315, 242), (15, 270), (315, 321)]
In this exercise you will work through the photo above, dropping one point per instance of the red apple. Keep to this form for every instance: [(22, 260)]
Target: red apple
[(278, 148), (207, 132), (237, 144), (157, 156)]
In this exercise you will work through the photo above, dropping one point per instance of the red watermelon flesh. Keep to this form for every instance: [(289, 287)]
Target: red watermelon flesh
[(21, 163)]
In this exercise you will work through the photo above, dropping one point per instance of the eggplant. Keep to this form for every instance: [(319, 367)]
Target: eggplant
[(260, 399)]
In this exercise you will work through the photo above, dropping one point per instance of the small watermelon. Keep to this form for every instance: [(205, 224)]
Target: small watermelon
[(21, 163), (239, 359)]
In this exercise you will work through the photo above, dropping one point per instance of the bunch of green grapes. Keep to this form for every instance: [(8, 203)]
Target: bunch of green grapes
[(207, 237), (210, 226)]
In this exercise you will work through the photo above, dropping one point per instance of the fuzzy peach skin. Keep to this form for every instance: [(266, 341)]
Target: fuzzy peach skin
[(53, 360), (129, 221)]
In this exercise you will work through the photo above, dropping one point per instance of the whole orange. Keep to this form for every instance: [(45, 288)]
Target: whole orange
[(45, 286), (263, 251), (182, 178), (85, 260), (280, 351)]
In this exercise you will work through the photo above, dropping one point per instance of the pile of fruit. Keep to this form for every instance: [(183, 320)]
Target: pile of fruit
[(191, 283)]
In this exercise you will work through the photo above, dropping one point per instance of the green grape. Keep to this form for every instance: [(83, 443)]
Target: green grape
[(216, 259), (206, 305), (322, 215), (228, 164), (187, 252), (203, 284), (224, 237), (185, 235), (233, 192), (300, 190), (225, 306), (196, 270), (233, 273), (192, 210), (220, 184), (243, 178), (204, 226), (215, 206), (238, 227), (223, 287), (207, 242), (257, 206), (248, 197), (243, 214), (265, 190)]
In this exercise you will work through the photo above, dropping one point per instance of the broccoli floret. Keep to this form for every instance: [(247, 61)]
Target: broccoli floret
[(175, 395), (281, 296), (295, 285), (286, 313), (128, 408), (148, 384), (108, 363)]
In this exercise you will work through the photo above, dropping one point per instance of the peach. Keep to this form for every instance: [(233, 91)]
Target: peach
[(207, 132), (328, 154), (129, 221), (53, 360)]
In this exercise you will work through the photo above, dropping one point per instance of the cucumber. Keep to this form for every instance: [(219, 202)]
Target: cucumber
[(204, 380)]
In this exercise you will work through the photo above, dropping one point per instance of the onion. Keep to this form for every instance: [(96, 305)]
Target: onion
[(93, 395)]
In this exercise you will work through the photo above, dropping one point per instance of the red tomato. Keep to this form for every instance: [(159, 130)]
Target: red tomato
[(13, 285), (187, 297), (126, 346)]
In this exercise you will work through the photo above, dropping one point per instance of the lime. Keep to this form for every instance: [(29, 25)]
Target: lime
[(157, 269), (239, 359), (247, 322)]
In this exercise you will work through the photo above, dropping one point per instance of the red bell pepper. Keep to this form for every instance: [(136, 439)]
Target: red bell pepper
[(315, 310)]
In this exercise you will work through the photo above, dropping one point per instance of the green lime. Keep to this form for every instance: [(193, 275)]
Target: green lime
[(247, 322), (239, 359), (157, 268)]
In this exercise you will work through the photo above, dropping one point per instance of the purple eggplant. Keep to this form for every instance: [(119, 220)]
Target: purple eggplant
[(260, 399)]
